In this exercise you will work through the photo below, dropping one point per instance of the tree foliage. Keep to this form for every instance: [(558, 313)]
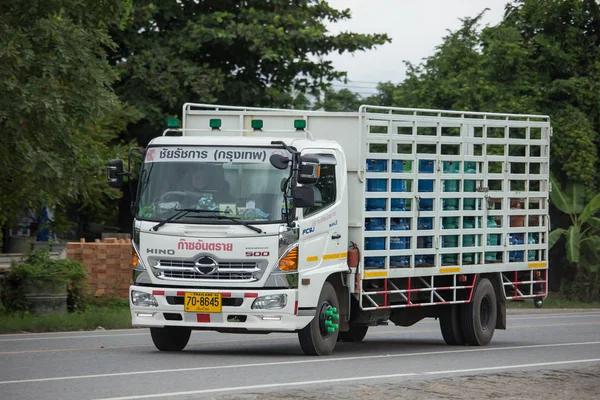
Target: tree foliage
[(543, 58), (57, 109), (253, 52)]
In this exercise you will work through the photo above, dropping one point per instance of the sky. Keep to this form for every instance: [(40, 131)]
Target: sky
[(416, 27)]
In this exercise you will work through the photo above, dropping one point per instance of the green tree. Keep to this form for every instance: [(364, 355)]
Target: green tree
[(543, 58), (341, 100), (58, 112), (253, 53)]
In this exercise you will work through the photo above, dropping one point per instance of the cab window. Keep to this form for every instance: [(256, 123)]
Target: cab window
[(325, 190)]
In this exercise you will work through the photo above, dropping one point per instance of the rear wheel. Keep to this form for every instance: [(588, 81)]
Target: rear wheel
[(170, 338), (478, 318), (319, 337), (354, 334), (450, 326)]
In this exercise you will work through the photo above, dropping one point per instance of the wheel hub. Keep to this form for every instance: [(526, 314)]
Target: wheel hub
[(485, 313), (328, 319)]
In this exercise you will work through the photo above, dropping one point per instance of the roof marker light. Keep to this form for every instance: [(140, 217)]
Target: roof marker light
[(215, 123), (173, 123), (300, 124), (257, 124)]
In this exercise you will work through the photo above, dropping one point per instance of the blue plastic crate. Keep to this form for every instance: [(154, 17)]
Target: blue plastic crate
[(425, 223), (375, 243), (399, 185), (515, 256), (400, 261), (426, 166), (375, 262), (375, 204), (376, 185), (400, 224), (424, 242), (374, 224), (424, 259), (397, 166), (398, 205), (516, 239), (399, 243), (374, 165), (425, 185)]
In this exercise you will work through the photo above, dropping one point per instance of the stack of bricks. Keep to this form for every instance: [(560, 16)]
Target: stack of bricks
[(108, 264)]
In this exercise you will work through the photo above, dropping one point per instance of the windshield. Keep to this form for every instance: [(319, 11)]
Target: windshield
[(235, 182)]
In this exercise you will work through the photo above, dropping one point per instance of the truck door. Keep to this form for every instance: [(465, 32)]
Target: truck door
[(324, 227)]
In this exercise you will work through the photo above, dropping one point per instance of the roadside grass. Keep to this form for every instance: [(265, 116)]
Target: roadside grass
[(555, 300), (90, 319)]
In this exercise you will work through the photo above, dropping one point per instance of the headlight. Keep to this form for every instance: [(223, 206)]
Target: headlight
[(143, 299), (270, 302)]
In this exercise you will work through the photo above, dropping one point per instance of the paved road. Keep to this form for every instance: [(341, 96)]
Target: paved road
[(124, 363)]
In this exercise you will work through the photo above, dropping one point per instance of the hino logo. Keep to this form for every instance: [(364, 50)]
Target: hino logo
[(161, 251), (206, 265)]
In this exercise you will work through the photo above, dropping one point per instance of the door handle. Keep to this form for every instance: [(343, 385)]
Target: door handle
[(336, 236)]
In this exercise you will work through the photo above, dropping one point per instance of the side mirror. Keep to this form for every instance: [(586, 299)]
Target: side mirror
[(279, 161), (304, 196), (114, 173), (310, 171)]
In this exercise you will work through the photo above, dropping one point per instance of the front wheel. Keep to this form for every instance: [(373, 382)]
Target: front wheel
[(478, 318), (170, 338), (318, 338)]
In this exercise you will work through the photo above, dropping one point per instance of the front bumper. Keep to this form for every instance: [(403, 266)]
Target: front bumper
[(236, 312)]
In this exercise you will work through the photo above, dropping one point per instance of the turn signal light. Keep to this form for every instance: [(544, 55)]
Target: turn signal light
[(134, 259), (290, 261)]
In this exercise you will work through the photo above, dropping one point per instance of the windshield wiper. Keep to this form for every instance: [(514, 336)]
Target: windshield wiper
[(220, 216), (180, 212)]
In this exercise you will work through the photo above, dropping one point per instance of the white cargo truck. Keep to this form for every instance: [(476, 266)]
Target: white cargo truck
[(322, 223)]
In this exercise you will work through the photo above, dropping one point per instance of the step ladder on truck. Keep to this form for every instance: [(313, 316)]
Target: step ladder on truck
[(326, 223)]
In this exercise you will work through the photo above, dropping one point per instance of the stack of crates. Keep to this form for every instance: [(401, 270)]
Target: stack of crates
[(453, 192)]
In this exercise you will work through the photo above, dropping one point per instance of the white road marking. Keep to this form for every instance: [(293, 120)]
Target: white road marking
[(303, 361), (338, 380)]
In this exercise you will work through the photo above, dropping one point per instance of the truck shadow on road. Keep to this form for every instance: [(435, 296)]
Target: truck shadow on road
[(289, 347)]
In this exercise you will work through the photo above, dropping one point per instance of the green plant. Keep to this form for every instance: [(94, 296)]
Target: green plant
[(582, 243), (39, 268)]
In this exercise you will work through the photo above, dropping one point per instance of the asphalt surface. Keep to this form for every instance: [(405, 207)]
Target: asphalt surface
[(125, 364)]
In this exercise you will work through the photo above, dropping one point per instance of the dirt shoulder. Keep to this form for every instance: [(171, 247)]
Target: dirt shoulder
[(580, 384)]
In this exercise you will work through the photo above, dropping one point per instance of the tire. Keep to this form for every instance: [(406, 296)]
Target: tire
[(355, 334), (451, 327), (314, 338), (478, 318), (170, 338)]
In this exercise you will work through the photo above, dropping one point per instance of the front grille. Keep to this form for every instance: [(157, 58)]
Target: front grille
[(224, 270), (196, 275)]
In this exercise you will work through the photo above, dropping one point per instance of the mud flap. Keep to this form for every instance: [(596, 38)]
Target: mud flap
[(501, 315)]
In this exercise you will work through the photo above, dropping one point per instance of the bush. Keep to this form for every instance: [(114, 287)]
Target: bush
[(40, 268)]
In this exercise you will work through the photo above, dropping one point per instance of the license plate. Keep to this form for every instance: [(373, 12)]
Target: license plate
[(202, 302)]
